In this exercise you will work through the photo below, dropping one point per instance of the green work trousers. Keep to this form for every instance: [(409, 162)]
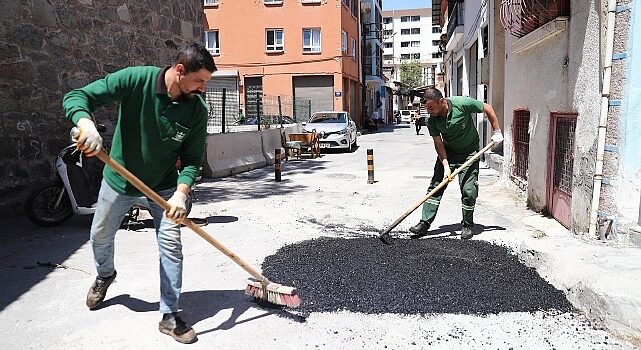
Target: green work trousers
[(468, 181)]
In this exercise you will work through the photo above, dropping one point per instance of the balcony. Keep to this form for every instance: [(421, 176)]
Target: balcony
[(373, 31), (522, 17), (455, 25)]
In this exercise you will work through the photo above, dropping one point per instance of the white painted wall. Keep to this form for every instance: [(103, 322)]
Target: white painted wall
[(541, 80)]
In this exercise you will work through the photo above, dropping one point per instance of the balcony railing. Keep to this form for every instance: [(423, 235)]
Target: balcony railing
[(521, 17), (373, 31), (455, 20)]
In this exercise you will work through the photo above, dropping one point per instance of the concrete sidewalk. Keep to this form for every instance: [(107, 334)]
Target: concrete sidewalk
[(601, 278)]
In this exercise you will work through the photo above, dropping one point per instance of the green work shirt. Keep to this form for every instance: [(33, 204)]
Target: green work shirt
[(152, 131), (458, 128)]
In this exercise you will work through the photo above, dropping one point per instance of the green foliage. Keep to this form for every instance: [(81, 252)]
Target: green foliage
[(411, 74)]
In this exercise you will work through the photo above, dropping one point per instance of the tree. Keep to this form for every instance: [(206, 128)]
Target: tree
[(411, 74)]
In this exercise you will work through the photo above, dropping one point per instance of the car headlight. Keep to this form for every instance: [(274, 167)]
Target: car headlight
[(303, 130), (343, 132)]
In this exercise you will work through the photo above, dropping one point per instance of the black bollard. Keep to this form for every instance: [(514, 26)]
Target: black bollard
[(370, 166), (277, 164)]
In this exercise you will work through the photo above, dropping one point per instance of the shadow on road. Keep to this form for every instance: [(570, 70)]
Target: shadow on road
[(204, 304), (455, 230)]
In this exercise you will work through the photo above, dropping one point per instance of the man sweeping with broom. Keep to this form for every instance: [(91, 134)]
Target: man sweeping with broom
[(456, 140), (161, 118)]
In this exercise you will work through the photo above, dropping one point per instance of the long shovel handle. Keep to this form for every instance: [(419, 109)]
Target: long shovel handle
[(437, 188), (131, 178)]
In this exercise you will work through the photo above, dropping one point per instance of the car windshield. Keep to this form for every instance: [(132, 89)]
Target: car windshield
[(328, 118)]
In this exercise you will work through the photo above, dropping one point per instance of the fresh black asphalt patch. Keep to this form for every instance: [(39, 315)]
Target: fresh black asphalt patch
[(425, 276)]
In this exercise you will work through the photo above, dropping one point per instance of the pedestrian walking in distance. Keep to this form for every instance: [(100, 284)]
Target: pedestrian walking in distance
[(162, 118), (452, 126)]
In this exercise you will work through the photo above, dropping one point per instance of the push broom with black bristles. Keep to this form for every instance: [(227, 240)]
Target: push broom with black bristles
[(258, 287)]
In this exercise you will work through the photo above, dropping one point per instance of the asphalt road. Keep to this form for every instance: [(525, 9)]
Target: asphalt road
[(316, 230)]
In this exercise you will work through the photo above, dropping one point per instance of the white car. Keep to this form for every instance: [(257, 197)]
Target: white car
[(336, 129), (405, 116)]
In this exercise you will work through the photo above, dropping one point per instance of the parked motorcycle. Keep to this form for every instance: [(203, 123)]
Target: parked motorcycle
[(74, 191)]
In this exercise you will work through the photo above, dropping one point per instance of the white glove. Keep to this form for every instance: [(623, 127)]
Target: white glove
[(447, 172), (89, 140), (497, 137), (178, 209)]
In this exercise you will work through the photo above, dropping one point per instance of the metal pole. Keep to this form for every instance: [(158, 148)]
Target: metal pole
[(370, 166), (309, 108), (277, 164), (224, 99), (294, 109), (280, 112)]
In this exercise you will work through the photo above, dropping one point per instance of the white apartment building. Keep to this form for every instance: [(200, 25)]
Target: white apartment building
[(408, 35)]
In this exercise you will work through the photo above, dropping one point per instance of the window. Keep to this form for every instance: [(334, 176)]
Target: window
[(405, 44), (520, 143), (415, 44), (416, 30), (485, 40), (388, 57), (210, 3), (311, 40), (405, 31), (405, 56), (437, 55), (343, 41), (387, 32), (436, 42), (273, 2), (387, 20), (405, 18), (436, 30), (353, 48), (416, 18), (388, 45), (416, 56), (275, 40), (212, 43)]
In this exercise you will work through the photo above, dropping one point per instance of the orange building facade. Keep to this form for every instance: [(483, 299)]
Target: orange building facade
[(307, 49)]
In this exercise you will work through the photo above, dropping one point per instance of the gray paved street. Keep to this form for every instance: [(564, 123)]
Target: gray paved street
[(46, 272)]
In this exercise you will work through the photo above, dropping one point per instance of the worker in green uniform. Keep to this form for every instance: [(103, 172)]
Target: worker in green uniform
[(162, 118), (453, 128)]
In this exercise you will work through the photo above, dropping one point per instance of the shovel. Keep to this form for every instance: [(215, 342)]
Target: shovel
[(386, 238)]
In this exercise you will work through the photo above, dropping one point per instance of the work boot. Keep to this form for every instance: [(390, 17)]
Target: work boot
[(466, 233), (178, 329), (422, 228), (98, 290)]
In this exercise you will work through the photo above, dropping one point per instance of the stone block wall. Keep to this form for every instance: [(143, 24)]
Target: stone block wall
[(48, 47)]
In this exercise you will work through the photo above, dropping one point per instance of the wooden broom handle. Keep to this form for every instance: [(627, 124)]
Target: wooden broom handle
[(437, 188), (131, 178)]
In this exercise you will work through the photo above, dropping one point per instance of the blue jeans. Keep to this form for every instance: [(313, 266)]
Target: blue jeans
[(111, 208)]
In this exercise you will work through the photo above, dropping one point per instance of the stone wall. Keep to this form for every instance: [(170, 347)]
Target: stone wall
[(49, 47)]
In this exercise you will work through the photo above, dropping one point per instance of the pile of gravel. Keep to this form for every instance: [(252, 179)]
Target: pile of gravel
[(421, 276)]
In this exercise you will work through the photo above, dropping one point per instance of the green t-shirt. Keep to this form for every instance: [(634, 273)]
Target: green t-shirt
[(458, 129), (152, 132)]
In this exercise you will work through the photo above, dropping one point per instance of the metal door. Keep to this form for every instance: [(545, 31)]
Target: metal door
[(253, 95), (317, 88), (560, 173)]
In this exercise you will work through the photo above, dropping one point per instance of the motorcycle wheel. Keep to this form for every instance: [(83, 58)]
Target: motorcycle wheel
[(40, 206)]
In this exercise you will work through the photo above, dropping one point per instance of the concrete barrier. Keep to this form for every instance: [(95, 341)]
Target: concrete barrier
[(271, 141), (233, 153)]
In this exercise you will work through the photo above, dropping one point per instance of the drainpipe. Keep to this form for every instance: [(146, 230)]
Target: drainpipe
[(603, 119)]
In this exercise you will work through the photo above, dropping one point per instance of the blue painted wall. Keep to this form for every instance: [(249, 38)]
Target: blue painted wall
[(631, 116)]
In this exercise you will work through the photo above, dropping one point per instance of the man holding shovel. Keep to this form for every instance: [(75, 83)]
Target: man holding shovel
[(456, 140), (161, 118)]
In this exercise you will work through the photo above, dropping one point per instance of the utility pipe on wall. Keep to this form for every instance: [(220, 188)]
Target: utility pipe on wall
[(603, 118)]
